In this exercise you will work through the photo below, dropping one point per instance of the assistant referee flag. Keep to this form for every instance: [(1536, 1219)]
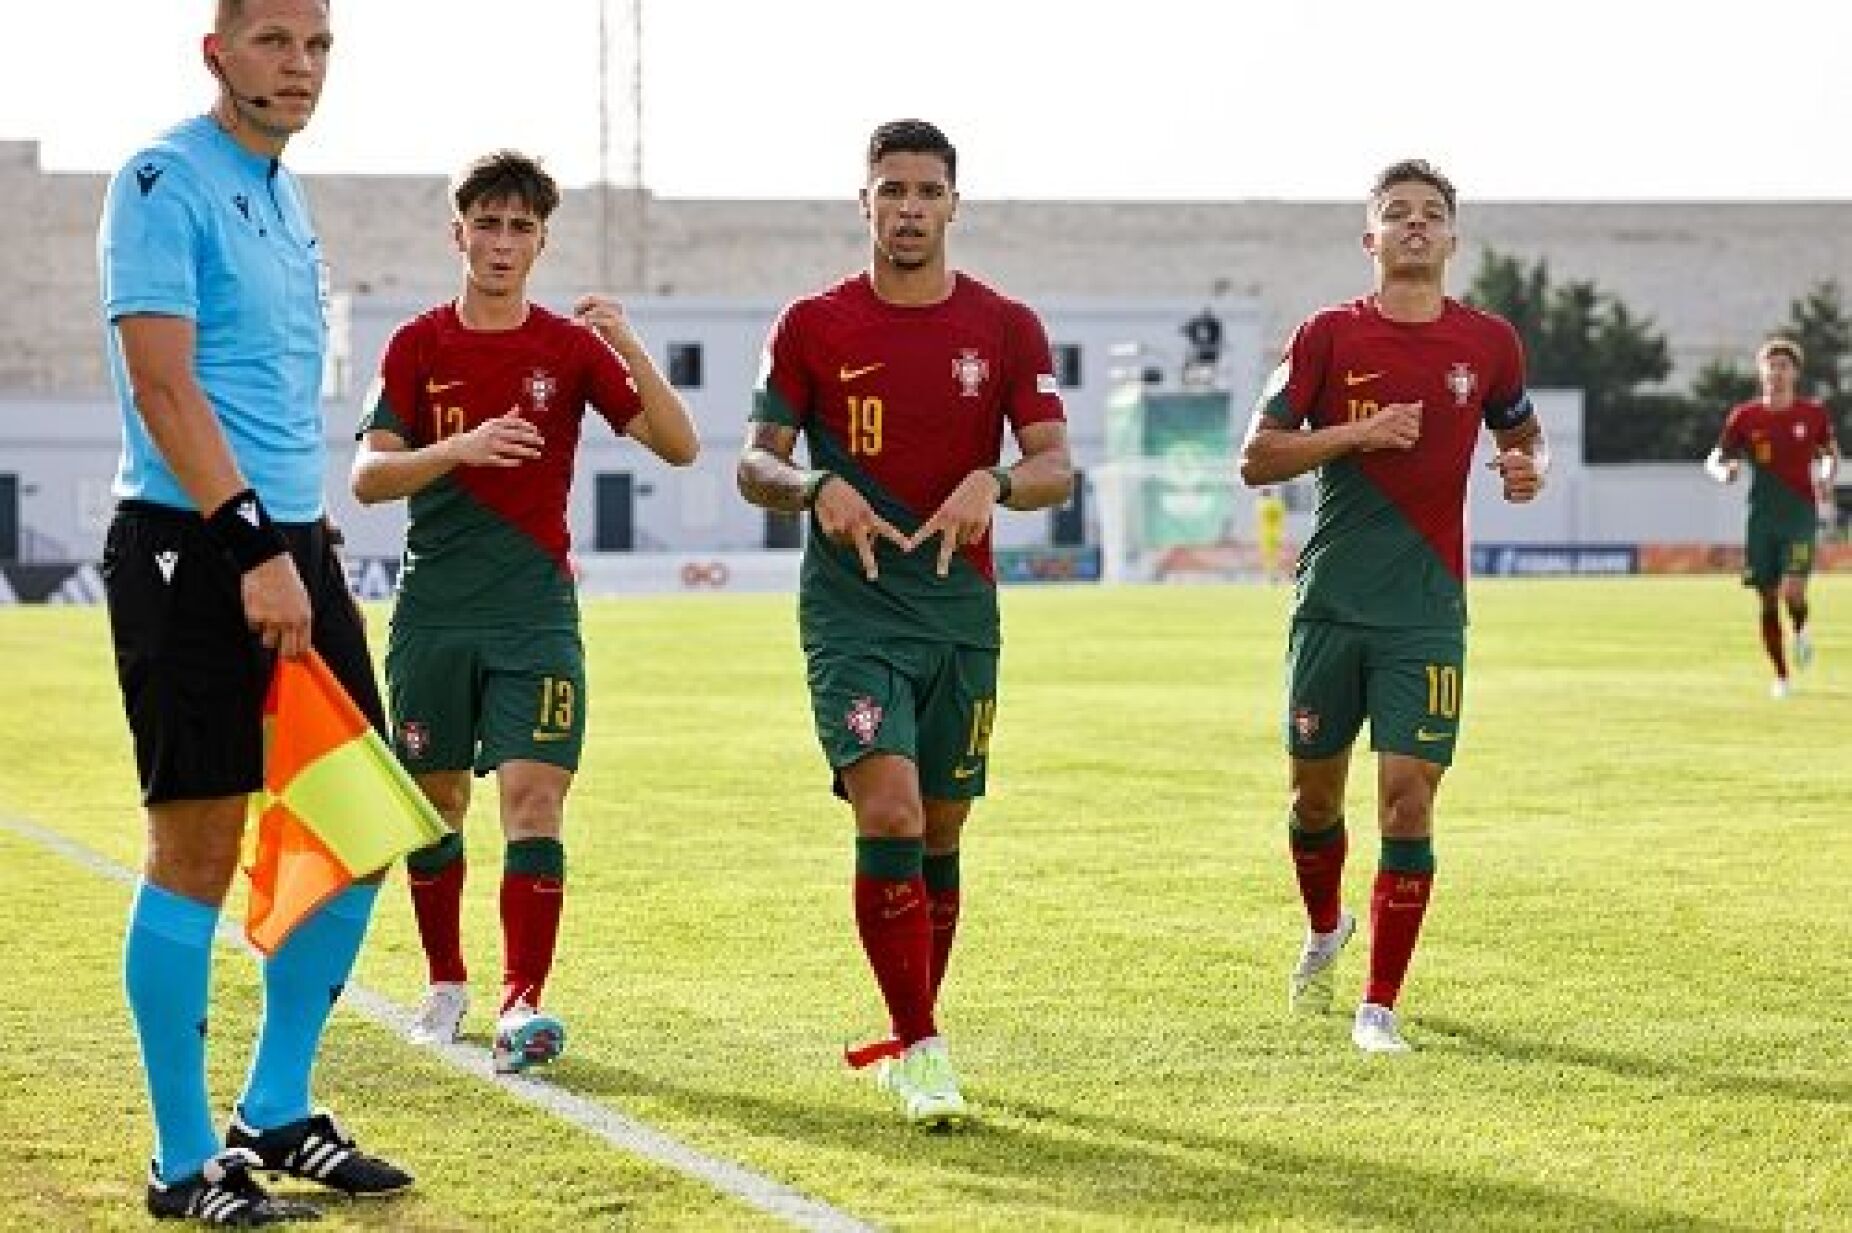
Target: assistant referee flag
[(335, 806)]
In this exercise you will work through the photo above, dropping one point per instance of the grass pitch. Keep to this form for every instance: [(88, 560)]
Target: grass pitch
[(1629, 1001)]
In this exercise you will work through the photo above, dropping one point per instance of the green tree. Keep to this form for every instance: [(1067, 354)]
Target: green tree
[(1581, 337), (1818, 322), (1719, 385)]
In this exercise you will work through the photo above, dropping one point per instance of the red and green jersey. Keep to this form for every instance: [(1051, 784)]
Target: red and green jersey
[(1780, 444), (904, 403), (489, 545), (1388, 541)]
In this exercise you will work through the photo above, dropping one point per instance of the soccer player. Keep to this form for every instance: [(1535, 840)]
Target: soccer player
[(902, 380), (1384, 396), (1789, 443), (219, 559), (475, 419)]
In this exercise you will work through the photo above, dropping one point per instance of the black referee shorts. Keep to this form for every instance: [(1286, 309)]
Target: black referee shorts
[(194, 676)]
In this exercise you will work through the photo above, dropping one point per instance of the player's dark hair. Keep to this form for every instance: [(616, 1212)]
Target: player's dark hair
[(913, 137), (1419, 171), (506, 175), (1782, 346)]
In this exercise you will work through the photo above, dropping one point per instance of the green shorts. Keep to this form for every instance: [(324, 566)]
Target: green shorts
[(1407, 682), (1770, 556), (476, 698), (929, 702)]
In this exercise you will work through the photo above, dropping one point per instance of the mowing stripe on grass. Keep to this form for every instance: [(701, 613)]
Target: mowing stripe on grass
[(623, 1133)]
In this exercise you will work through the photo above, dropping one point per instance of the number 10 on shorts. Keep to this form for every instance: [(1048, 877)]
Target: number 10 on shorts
[(1443, 690)]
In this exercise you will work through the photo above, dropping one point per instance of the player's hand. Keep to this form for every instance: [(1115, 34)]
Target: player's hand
[(606, 316), (1396, 426), (508, 440), (845, 516), (276, 606), (1523, 477), (962, 518)]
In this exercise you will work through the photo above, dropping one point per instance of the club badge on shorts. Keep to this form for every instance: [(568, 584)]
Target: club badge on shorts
[(414, 738), (864, 719), (1305, 723)]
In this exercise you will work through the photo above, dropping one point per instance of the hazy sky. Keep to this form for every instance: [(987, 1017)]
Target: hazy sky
[(1169, 99)]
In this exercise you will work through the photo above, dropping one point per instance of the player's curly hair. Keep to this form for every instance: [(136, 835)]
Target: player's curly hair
[(1415, 170), (913, 137), (505, 175)]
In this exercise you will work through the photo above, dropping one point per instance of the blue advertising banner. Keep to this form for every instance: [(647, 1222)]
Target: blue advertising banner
[(1063, 563), (1555, 560)]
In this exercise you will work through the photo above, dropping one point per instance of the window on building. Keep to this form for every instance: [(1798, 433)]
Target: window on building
[(685, 365), (1067, 365)]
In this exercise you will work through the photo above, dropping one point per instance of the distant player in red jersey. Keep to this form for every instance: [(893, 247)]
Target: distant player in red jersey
[(1384, 396), (1789, 443), (902, 380), (476, 418)]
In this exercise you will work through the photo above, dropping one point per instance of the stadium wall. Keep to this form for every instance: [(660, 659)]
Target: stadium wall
[(63, 448), (1713, 275)]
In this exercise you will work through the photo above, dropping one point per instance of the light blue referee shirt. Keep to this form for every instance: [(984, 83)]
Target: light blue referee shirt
[(197, 226)]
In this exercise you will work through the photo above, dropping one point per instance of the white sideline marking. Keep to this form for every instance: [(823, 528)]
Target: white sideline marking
[(624, 1133)]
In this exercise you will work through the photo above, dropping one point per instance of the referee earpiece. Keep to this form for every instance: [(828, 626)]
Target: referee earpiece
[(217, 69)]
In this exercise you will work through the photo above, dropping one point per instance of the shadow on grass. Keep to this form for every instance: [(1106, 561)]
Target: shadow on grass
[(1473, 1038), (1040, 1164)]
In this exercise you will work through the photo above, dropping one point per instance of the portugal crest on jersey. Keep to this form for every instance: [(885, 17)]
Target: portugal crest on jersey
[(540, 386), (1462, 380), (970, 370), (864, 719)]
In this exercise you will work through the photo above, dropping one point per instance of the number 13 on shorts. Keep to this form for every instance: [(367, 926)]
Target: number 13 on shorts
[(558, 706)]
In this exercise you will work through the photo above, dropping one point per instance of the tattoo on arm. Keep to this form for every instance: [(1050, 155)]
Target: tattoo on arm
[(766, 476)]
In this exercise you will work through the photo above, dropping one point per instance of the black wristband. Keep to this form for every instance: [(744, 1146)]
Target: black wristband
[(813, 487), (1004, 484), (242, 527)]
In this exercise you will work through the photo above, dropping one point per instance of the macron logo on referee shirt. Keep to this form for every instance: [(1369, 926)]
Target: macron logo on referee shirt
[(166, 562), (247, 510)]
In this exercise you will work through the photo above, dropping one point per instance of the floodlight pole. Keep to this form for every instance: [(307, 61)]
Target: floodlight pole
[(607, 206), (604, 145), (642, 241)]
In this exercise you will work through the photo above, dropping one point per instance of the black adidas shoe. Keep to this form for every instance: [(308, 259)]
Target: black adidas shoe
[(315, 1149), (222, 1193)]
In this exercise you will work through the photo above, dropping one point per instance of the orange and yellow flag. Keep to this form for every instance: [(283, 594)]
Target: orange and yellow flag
[(336, 805)]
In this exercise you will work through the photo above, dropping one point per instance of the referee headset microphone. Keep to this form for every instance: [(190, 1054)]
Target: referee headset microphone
[(259, 101)]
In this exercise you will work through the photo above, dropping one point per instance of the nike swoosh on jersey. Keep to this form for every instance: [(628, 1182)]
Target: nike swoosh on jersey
[(845, 373), (438, 387), (1359, 378)]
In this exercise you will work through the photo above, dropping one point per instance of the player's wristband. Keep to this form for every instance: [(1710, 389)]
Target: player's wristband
[(1004, 484), (813, 487), (242, 527)]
